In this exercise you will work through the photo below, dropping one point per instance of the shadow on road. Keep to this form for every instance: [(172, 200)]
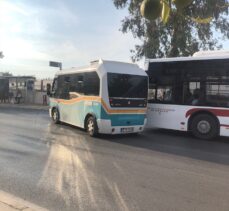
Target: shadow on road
[(168, 141), (23, 111), (165, 141), (177, 143)]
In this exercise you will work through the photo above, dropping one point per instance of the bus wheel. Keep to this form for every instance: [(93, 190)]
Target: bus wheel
[(204, 126), (92, 127), (55, 116)]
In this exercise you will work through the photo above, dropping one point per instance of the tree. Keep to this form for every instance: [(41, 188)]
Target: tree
[(182, 34)]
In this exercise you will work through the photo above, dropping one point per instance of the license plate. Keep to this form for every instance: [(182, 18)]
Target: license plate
[(127, 130)]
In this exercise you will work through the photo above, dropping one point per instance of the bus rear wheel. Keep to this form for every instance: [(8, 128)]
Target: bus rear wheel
[(55, 116), (204, 126), (92, 127)]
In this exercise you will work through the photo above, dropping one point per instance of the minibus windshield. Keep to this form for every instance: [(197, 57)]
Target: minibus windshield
[(127, 86)]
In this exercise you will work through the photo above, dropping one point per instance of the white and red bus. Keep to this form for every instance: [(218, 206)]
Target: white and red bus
[(190, 94)]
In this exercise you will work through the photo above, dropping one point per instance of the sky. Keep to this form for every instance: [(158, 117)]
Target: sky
[(73, 32)]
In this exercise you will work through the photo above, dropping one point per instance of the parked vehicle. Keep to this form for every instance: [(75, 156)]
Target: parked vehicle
[(190, 94), (106, 97)]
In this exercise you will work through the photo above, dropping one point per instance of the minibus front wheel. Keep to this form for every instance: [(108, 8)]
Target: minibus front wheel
[(91, 126), (55, 116)]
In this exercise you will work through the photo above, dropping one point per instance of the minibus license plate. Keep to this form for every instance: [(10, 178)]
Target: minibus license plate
[(127, 130)]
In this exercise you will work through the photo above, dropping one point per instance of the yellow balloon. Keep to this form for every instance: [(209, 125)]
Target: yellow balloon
[(151, 9)]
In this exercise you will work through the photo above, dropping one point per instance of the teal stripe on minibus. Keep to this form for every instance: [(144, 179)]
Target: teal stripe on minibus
[(124, 119)]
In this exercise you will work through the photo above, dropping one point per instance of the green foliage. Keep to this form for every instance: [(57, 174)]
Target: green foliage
[(202, 25), (181, 4)]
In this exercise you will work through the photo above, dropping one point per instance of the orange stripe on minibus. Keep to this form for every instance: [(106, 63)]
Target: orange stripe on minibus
[(100, 100)]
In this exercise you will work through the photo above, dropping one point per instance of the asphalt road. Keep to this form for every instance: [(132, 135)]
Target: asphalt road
[(59, 167)]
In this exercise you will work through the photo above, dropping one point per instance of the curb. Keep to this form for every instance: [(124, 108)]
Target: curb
[(9, 202), (23, 106)]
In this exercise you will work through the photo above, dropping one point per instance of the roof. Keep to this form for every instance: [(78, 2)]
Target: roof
[(2, 77), (188, 58), (22, 77), (104, 66), (201, 55), (217, 53)]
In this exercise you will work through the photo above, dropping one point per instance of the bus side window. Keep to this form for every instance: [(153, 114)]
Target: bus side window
[(191, 93), (164, 94), (80, 84), (217, 94), (152, 93), (92, 82), (63, 87), (54, 88), (76, 85)]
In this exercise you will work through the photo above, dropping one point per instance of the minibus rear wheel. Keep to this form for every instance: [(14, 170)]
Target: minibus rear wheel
[(55, 116), (91, 126)]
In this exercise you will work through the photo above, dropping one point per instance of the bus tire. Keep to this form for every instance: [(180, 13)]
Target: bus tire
[(204, 126), (55, 116), (91, 126)]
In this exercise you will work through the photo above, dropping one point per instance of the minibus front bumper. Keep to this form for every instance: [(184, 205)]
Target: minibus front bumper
[(105, 127)]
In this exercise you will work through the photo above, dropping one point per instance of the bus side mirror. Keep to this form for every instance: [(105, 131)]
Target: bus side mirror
[(49, 90)]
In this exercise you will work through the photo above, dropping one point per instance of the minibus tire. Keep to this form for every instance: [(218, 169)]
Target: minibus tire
[(207, 123), (92, 127), (55, 116)]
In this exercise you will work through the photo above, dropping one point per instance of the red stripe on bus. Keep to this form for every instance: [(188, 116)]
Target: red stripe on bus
[(224, 126), (217, 112)]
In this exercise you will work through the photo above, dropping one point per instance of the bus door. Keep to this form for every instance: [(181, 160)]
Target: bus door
[(161, 113), (162, 110), (62, 95)]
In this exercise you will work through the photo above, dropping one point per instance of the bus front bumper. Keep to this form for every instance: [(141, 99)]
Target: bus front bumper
[(105, 127)]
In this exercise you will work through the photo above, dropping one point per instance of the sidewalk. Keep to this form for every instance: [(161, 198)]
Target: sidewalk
[(24, 106), (9, 202)]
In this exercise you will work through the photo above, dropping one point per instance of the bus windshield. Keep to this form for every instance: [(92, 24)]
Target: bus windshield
[(127, 86)]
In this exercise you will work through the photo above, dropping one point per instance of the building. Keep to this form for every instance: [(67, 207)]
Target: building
[(41, 91), (41, 85), (21, 82), (33, 91)]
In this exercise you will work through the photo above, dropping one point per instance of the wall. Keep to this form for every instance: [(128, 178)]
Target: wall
[(38, 97)]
